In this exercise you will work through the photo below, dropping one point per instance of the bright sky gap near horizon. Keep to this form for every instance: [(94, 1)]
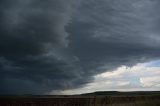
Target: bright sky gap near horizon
[(79, 46)]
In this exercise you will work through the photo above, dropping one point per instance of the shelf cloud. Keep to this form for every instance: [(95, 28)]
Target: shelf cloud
[(58, 44)]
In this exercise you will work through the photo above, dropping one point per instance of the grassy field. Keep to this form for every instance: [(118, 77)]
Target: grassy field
[(92, 99)]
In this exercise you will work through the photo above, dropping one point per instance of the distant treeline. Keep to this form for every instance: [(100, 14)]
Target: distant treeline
[(116, 93)]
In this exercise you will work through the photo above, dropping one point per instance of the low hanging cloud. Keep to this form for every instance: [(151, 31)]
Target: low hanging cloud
[(57, 44), (30, 34)]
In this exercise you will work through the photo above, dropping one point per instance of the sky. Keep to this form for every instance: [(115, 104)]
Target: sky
[(123, 79), (79, 46)]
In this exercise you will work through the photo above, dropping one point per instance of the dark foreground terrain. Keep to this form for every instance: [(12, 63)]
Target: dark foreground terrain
[(91, 99)]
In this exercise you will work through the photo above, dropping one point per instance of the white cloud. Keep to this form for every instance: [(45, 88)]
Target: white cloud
[(139, 77), (150, 81)]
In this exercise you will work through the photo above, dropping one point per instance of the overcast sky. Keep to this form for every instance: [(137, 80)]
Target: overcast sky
[(78, 46)]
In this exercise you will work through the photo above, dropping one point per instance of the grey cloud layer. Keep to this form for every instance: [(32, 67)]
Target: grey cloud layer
[(29, 31), (57, 44), (115, 32)]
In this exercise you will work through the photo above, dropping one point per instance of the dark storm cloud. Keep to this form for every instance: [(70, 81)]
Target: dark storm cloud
[(39, 75), (29, 31), (111, 33), (58, 44), (26, 26)]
